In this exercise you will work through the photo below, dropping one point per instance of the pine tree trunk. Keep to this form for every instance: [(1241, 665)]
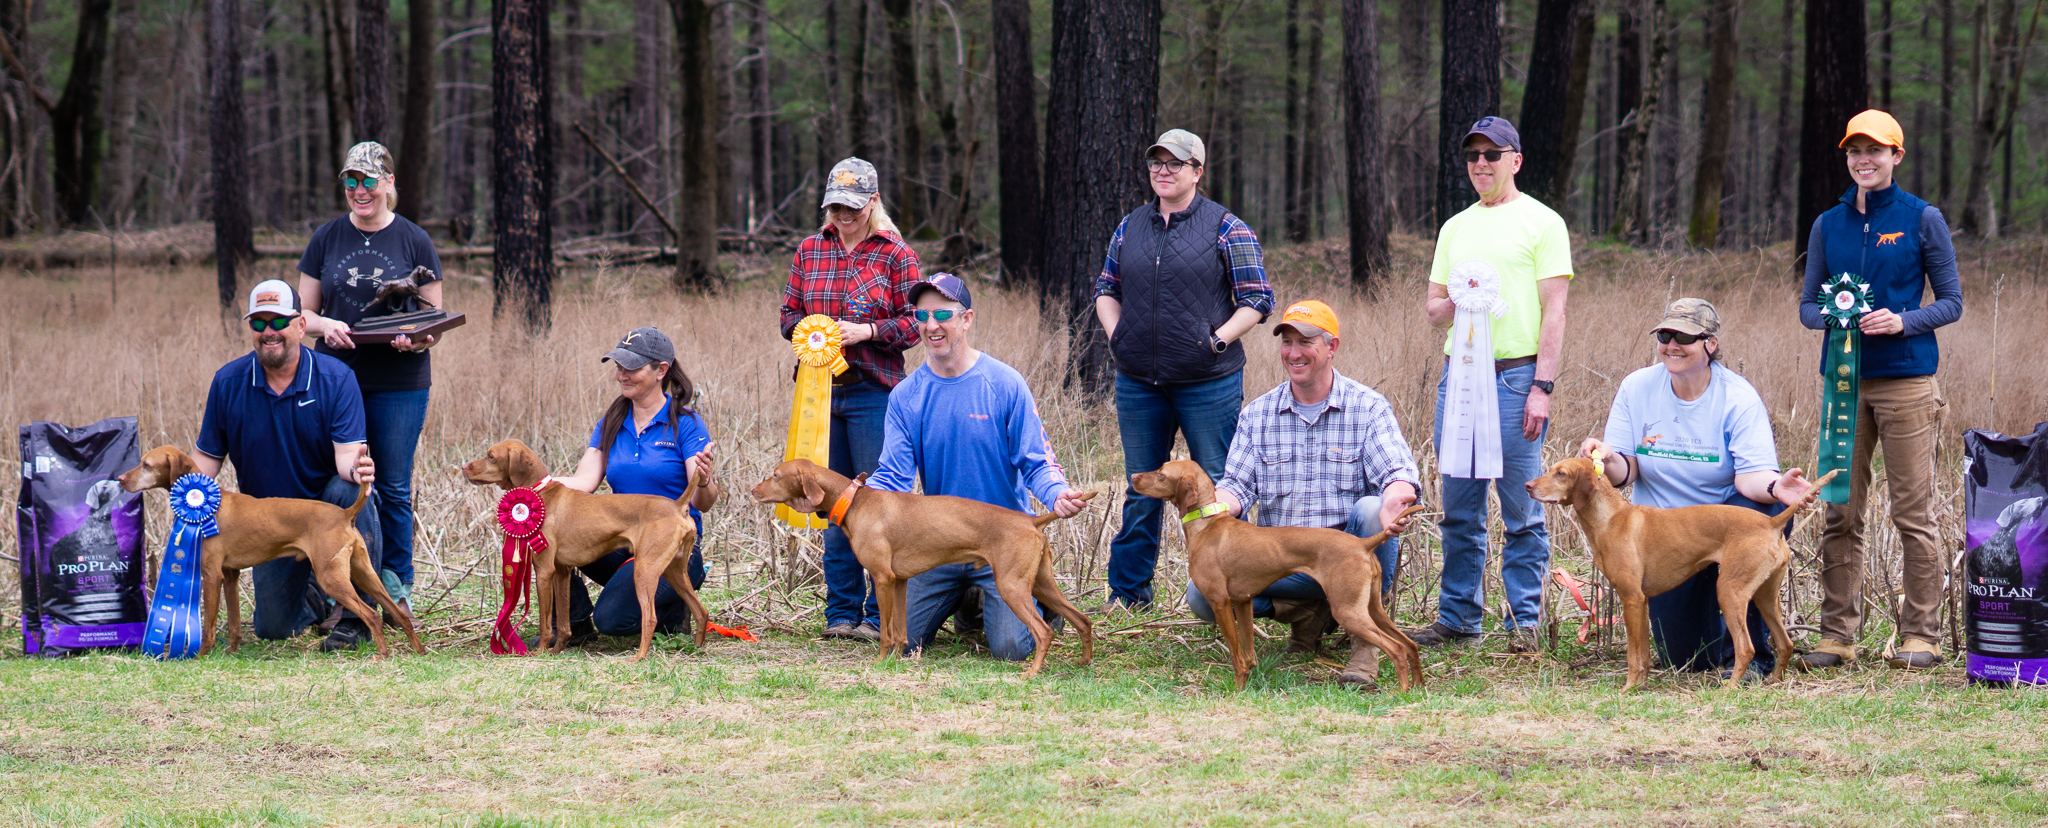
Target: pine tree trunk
[(459, 184), (373, 69), (859, 140), (1292, 138), (1311, 187), (1837, 87), (722, 100), (1787, 143), (415, 157), (122, 104), (910, 173), (1100, 116), (696, 214), (233, 244), (1365, 175), (1414, 156), (522, 164), (645, 97), (1583, 30), (76, 124), (1471, 90), (337, 51), (1546, 101), (1995, 115), (1017, 143), (761, 120), (1948, 95), (1717, 119), (1632, 210)]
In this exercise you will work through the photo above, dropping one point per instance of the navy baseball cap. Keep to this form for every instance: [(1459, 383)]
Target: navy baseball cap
[(948, 285), (1497, 130)]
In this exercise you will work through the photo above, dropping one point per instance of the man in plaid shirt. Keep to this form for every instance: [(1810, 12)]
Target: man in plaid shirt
[(1320, 450)]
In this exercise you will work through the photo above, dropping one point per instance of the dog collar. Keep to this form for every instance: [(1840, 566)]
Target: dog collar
[(845, 502), (1210, 510)]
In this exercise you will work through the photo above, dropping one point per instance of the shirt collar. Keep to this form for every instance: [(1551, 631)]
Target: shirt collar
[(300, 383), (1341, 393)]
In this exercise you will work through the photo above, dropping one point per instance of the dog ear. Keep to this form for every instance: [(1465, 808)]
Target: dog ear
[(813, 494), (1584, 487)]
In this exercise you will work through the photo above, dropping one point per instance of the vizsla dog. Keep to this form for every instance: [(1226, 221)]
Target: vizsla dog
[(255, 530), (581, 527), (897, 536), (1232, 561), (1645, 551)]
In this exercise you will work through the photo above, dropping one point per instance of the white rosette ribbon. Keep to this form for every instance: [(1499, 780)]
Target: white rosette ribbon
[(1471, 435)]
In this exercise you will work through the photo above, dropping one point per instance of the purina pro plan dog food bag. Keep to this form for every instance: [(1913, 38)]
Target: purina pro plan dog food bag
[(81, 538), (2005, 567)]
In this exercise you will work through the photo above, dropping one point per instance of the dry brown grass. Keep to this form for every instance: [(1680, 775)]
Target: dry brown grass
[(78, 349)]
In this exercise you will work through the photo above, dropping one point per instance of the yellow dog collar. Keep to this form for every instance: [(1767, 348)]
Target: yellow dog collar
[(1210, 510)]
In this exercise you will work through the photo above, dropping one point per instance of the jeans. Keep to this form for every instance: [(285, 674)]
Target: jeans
[(1147, 417), (1687, 625), (393, 420), (858, 411), (617, 611), (1364, 522), (282, 609), (933, 595), (1525, 558)]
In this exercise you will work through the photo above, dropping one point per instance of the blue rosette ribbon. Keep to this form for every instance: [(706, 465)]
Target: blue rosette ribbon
[(175, 630)]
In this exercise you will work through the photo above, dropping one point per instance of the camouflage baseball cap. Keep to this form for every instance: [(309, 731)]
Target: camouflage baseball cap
[(1695, 317), (852, 182), (368, 157)]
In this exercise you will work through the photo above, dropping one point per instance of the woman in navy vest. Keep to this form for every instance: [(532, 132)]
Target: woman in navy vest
[(1899, 245), (347, 260)]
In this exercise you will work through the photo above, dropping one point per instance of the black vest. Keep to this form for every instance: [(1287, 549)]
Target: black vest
[(1177, 291)]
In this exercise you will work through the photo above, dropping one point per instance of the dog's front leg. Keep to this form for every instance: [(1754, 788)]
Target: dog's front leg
[(1635, 614), (209, 592)]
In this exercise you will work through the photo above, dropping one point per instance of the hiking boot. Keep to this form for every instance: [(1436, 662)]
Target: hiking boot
[(1753, 675), (1309, 620), (581, 632), (1915, 654), (850, 632), (867, 632), (967, 612), (1523, 640), (1828, 653), (1437, 635), (1363, 670), (348, 632), (1114, 605)]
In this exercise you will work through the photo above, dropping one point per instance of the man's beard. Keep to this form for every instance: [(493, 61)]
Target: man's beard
[(270, 360)]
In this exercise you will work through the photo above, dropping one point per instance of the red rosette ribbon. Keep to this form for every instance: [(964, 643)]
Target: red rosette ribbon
[(520, 513)]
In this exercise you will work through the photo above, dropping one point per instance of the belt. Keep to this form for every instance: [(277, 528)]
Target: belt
[(1500, 365), (853, 375)]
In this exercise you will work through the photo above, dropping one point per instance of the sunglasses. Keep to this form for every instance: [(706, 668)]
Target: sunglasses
[(1176, 165), (1492, 155), (277, 323), (1667, 337), (365, 183), (945, 315)]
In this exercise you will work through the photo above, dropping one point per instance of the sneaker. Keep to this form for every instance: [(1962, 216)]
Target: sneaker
[(1915, 655), (1828, 653), (1523, 640), (348, 632), (1438, 635)]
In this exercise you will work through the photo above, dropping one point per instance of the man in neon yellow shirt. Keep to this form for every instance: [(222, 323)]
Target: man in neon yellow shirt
[(1521, 246)]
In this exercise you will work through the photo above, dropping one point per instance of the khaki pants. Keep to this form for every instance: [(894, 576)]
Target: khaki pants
[(1905, 413)]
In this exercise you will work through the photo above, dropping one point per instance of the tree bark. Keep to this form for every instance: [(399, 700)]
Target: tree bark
[(1295, 218), (76, 124), (1547, 101), (1782, 155), (2008, 66), (373, 69), (722, 122), (860, 142), (645, 97), (910, 172), (1583, 31), (1414, 155), (459, 184), (697, 253), (1837, 87), (1100, 116), (522, 163), (1312, 177), (233, 244), (761, 119), (1631, 212), (1365, 176), (1717, 119), (1471, 90), (1017, 143), (416, 152), (338, 82)]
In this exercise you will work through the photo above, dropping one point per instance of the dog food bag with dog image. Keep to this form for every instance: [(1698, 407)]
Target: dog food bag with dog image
[(81, 538), (2005, 567)]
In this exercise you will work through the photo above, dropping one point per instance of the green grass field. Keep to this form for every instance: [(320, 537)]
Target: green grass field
[(791, 731)]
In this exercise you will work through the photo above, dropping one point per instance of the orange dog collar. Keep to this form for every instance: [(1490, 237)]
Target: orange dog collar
[(845, 502)]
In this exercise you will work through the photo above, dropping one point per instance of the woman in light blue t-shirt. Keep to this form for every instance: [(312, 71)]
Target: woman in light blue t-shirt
[(1688, 431)]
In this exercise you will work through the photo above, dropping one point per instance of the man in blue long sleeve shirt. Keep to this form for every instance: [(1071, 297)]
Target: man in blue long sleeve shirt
[(1900, 246), (967, 423)]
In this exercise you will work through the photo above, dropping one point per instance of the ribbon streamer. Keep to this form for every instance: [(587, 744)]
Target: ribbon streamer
[(520, 515), (1844, 300), (1471, 437), (175, 627), (820, 357)]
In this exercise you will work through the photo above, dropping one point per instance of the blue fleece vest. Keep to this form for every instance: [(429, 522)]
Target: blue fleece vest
[(1883, 247)]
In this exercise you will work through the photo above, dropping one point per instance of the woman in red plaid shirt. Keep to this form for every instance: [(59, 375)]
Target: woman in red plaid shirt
[(857, 270)]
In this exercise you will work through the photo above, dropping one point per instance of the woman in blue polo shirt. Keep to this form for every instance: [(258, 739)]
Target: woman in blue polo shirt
[(648, 442)]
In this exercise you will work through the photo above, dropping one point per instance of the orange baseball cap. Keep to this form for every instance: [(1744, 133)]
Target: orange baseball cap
[(1880, 126), (1310, 318)]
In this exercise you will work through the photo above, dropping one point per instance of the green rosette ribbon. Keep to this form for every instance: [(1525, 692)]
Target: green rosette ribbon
[(1843, 302)]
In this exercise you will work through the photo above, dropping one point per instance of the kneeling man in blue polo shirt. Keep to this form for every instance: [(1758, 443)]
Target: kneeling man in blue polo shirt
[(291, 421), (967, 423)]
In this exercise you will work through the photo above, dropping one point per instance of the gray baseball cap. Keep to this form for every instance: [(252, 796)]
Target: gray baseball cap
[(852, 183), (1696, 317), (1184, 145), (1497, 130), (641, 346)]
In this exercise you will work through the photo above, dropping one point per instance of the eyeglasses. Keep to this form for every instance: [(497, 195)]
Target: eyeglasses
[(365, 183), (1175, 165), (1667, 337), (1492, 155), (276, 323), (944, 315)]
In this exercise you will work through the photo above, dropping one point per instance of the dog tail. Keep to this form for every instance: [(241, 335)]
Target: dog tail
[(1041, 521), (356, 508), (689, 494), (1785, 518)]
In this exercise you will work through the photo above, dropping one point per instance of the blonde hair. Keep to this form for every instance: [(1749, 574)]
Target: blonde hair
[(390, 177), (878, 221)]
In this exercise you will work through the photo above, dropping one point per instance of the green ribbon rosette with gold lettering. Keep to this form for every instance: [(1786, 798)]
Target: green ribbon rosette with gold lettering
[(1843, 300)]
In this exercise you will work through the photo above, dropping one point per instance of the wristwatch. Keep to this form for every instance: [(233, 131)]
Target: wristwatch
[(1548, 386), (1217, 344)]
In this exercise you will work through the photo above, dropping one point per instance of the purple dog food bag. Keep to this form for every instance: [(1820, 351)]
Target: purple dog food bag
[(81, 538), (2005, 570)]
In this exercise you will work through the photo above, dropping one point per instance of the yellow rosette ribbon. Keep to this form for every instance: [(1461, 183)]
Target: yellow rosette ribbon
[(820, 357)]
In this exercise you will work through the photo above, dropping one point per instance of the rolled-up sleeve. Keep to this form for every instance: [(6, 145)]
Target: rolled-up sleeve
[(1247, 261), (1240, 465), (1387, 456), (1110, 281)]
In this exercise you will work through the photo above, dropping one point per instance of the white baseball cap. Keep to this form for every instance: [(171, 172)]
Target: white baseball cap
[(272, 296)]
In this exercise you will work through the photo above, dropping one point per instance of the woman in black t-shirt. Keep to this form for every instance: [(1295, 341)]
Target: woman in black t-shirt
[(345, 263)]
